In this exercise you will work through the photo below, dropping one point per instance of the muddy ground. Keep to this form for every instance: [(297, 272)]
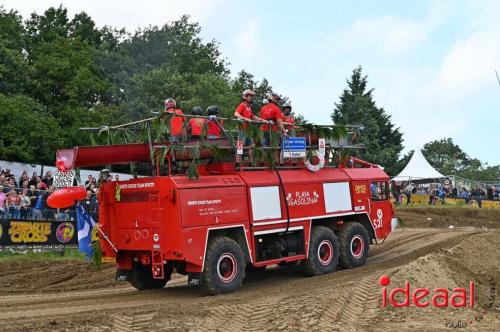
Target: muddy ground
[(443, 217), (70, 296)]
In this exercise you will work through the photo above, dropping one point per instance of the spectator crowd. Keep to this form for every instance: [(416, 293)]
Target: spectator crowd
[(25, 197), (438, 192)]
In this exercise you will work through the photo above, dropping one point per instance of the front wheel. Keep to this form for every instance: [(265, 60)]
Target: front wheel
[(323, 252), (354, 245), (224, 269)]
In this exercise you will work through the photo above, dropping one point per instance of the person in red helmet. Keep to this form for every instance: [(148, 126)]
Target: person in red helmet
[(244, 112), (288, 119), (176, 122), (271, 112)]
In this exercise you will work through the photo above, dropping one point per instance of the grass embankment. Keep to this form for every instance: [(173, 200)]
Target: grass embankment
[(8, 255)]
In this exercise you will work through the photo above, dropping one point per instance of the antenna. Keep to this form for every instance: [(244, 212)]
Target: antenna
[(498, 78)]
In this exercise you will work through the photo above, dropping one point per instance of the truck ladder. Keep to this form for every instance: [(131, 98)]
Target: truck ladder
[(157, 266)]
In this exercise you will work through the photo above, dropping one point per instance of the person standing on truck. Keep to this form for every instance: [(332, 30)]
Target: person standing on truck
[(288, 119), (271, 112), (213, 125), (244, 112), (196, 125), (176, 122)]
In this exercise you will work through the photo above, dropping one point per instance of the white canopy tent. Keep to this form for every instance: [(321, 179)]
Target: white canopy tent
[(418, 168)]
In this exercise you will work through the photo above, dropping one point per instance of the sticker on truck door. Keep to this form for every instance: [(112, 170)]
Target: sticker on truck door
[(377, 222)]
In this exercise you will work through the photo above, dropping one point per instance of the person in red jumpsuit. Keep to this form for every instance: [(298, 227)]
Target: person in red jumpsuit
[(288, 119), (176, 122), (244, 112), (196, 125), (271, 112), (213, 125)]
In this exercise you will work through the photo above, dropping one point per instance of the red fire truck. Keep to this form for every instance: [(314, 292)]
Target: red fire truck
[(229, 220)]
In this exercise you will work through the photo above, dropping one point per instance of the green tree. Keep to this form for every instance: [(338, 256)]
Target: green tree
[(262, 89), (63, 73), (14, 71), (383, 141), (29, 134), (450, 159), (446, 156)]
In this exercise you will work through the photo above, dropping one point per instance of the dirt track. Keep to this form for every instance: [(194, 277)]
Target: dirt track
[(279, 299), (443, 217)]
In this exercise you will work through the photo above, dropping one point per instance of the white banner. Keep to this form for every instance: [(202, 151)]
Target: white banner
[(63, 179)]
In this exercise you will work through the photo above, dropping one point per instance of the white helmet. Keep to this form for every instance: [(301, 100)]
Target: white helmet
[(170, 102), (247, 93)]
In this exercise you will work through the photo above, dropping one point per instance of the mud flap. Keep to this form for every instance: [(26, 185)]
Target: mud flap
[(194, 279), (122, 274)]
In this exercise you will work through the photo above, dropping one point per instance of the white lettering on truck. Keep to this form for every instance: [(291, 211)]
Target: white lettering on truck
[(137, 185), (205, 202)]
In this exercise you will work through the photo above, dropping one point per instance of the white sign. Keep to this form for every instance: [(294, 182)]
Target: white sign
[(265, 203), (63, 179), (239, 147), (321, 146), (337, 197)]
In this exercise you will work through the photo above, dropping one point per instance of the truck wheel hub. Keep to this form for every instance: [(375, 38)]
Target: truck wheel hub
[(325, 252), (227, 268), (357, 246)]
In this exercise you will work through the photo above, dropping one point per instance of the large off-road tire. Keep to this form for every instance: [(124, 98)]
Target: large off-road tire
[(323, 252), (141, 277), (354, 245), (224, 269)]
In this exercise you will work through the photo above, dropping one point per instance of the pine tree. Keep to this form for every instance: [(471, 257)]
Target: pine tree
[(383, 141)]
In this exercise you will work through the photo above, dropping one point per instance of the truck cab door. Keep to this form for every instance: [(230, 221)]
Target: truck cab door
[(380, 207), (361, 196)]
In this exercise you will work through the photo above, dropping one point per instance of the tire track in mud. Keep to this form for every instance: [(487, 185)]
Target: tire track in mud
[(253, 316), (134, 323), (402, 237), (360, 306), (280, 302)]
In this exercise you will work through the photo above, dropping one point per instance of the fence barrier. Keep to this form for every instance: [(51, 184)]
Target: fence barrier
[(39, 232), (423, 200)]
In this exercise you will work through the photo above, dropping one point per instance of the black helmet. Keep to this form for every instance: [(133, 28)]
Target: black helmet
[(213, 110), (197, 110)]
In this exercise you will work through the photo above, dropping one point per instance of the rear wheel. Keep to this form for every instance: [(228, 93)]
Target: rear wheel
[(141, 277), (354, 245), (323, 252), (224, 266)]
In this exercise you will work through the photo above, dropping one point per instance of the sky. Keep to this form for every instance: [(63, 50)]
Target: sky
[(431, 63)]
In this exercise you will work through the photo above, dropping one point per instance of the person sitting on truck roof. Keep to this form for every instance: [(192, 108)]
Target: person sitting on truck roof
[(244, 112), (196, 125), (271, 112), (214, 126), (177, 121)]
